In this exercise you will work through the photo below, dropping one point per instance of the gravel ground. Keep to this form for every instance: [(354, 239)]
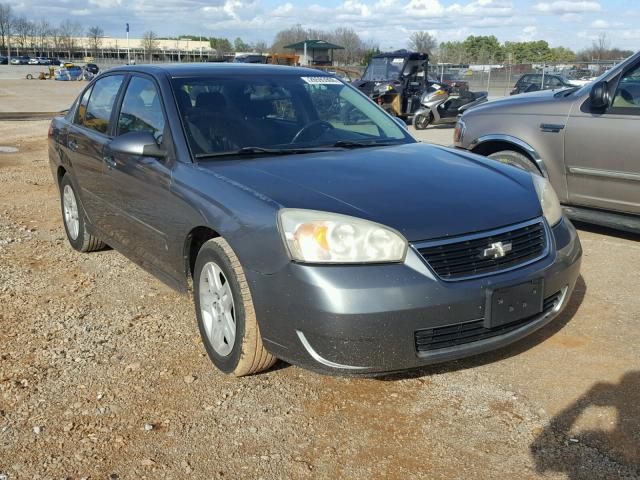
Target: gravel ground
[(103, 375)]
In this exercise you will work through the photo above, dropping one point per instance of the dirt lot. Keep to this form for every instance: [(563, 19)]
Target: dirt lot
[(103, 375), (37, 95)]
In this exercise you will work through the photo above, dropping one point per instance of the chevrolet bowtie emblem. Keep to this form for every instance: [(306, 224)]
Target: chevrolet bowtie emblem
[(496, 250)]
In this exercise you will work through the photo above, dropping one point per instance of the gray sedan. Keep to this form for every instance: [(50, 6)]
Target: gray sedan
[(308, 224)]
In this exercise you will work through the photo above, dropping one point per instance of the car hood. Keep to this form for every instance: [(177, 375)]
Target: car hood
[(421, 190), (545, 102)]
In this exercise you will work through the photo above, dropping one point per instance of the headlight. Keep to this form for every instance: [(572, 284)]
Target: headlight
[(548, 199), (322, 237)]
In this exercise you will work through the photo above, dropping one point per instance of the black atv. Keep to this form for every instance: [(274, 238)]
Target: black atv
[(396, 81)]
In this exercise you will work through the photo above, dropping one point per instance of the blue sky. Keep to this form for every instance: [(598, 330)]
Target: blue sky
[(571, 23)]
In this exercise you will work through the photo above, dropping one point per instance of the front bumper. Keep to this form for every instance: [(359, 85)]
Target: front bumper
[(364, 319)]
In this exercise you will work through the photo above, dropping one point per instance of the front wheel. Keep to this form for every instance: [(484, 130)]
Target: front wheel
[(224, 309), (515, 159), (422, 121)]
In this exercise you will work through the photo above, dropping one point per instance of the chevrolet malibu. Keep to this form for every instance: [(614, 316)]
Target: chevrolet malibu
[(306, 222)]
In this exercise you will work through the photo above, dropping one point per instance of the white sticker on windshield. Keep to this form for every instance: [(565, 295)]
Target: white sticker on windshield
[(322, 80)]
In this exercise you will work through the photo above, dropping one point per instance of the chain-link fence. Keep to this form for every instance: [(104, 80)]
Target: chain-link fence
[(501, 80)]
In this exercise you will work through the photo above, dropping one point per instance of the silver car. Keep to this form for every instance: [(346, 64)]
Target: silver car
[(585, 140)]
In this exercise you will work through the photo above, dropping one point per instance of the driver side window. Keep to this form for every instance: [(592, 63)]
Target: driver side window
[(141, 109), (627, 96)]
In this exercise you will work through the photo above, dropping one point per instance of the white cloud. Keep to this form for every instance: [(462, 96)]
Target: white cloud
[(600, 24), (529, 33), (567, 6), (282, 10)]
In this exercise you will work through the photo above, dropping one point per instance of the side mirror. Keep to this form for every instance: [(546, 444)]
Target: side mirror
[(142, 144), (600, 96)]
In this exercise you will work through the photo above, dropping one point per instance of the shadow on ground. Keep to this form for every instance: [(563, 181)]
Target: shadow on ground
[(580, 454)]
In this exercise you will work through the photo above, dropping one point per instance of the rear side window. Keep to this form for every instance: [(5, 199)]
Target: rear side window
[(141, 109), (101, 102), (535, 80), (82, 107), (553, 82)]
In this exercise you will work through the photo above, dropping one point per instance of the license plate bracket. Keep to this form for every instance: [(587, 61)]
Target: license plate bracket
[(513, 303)]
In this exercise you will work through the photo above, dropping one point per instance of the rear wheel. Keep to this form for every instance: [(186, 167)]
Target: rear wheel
[(225, 313), (75, 222), (516, 159)]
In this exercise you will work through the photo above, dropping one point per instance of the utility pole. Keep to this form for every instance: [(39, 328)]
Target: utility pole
[(128, 51)]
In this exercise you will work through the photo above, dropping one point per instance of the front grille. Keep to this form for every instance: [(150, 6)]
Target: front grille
[(452, 335), (456, 259)]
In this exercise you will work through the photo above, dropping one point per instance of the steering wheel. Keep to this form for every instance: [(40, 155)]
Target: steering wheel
[(322, 124)]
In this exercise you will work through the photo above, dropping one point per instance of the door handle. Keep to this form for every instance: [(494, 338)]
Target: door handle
[(110, 161), (73, 145), (551, 127)]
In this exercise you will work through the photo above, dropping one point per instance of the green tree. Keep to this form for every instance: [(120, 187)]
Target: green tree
[(221, 45), (240, 46), (483, 49)]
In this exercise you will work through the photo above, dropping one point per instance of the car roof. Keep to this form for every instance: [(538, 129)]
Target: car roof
[(177, 70)]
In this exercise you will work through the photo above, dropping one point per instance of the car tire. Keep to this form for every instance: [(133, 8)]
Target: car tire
[(515, 159), (422, 121), (75, 221), (224, 309)]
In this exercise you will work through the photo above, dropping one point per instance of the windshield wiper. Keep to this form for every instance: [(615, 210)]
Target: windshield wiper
[(364, 143), (262, 150)]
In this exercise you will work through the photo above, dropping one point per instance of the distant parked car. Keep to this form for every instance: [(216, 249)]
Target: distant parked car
[(92, 68), (33, 61), (3, 60), (584, 140), (532, 82), (22, 60), (44, 61), (55, 61)]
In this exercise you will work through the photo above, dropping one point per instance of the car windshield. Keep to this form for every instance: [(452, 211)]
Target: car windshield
[(384, 68), (238, 114)]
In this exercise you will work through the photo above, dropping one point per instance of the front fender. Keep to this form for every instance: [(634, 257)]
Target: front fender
[(532, 152)]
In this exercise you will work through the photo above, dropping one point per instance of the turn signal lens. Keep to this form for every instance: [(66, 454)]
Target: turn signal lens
[(549, 202)]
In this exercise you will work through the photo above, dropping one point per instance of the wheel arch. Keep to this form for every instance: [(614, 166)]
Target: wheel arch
[(488, 144), (192, 245), (60, 172)]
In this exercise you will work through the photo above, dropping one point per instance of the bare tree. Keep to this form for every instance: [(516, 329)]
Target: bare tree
[(600, 46), (150, 42), (6, 19), (22, 33), (291, 35), (68, 34), (55, 39), (423, 42), (42, 33), (95, 35), (260, 47), (353, 45)]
